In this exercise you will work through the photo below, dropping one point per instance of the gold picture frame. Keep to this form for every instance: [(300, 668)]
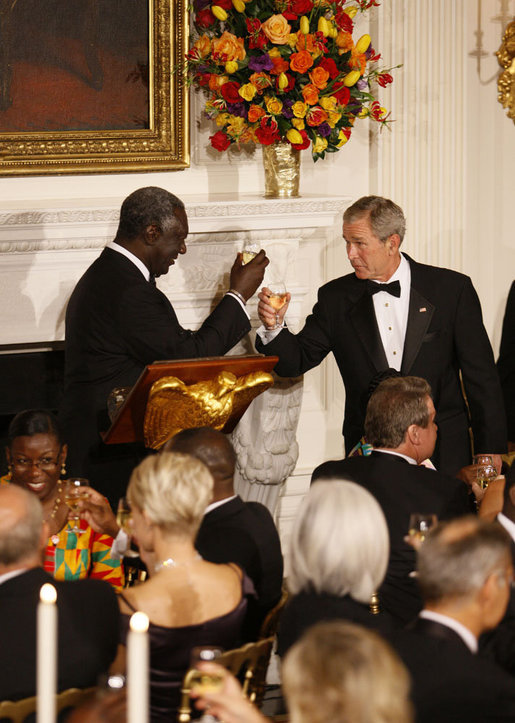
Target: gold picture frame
[(162, 146)]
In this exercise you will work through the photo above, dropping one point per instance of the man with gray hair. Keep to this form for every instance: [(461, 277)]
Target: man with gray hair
[(88, 613), (394, 312), (400, 425), (118, 321), (465, 573)]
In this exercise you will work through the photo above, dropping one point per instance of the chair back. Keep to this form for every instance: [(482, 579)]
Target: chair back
[(18, 710), (249, 664), (271, 622)]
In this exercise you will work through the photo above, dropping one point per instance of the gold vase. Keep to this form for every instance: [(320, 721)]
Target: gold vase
[(282, 170)]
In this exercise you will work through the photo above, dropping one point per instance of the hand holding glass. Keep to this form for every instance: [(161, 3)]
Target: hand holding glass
[(74, 493), (277, 298), (249, 250), (202, 681), (486, 471)]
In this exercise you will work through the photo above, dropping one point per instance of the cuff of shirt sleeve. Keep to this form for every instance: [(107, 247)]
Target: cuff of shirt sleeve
[(268, 335), (120, 545)]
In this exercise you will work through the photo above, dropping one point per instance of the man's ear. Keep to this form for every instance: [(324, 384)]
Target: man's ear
[(413, 434), (393, 242), (152, 234)]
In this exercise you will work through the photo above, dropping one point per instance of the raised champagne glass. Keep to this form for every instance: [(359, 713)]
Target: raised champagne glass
[(277, 298), (420, 524), (124, 521), (75, 491), (485, 470), (200, 680), (249, 250)]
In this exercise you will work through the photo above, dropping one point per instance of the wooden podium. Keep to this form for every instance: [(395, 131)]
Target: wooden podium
[(128, 424)]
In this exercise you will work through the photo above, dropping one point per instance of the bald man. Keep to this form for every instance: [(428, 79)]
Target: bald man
[(233, 530), (87, 609)]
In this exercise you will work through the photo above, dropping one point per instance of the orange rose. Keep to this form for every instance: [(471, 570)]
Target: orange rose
[(280, 66), (261, 81), (255, 113), (228, 47), (276, 29), (310, 94), (301, 62), (344, 41), (216, 81), (203, 45), (319, 77)]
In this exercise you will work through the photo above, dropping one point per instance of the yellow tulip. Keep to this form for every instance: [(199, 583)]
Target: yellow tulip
[(362, 44), (282, 81), (304, 25), (319, 145), (239, 5), (219, 12), (323, 26), (294, 136), (231, 66), (351, 78), (333, 30), (351, 12)]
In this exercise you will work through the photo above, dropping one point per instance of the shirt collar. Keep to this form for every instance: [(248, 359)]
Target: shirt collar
[(14, 573), (128, 255), (219, 503), (397, 454), (508, 525), (465, 634)]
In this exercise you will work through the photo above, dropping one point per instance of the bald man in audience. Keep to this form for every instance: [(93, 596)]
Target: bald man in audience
[(233, 530), (465, 573), (87, 610), (400, 424)]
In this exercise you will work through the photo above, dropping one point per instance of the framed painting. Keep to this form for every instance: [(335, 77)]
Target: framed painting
[(93, 86)]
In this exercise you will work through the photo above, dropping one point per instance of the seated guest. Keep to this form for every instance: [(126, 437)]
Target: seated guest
[(36, 456), (189, 601), (464, 572), (87, 609), (338, 557), (400, 425), (336, 673), (233, 530)]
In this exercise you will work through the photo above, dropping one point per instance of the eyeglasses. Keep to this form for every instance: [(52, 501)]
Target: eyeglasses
[(47, 464)]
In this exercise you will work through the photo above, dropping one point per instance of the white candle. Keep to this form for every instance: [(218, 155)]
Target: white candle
[(137, 669), (46, 680)]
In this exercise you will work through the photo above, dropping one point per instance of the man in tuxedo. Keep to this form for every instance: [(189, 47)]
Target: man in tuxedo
[(506, 364), (87, 610), (400, 425), (393, 312), (117, 322), (233, 530), (464, 572)]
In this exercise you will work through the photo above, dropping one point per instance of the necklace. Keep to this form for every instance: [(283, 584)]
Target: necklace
[(55, 538), (170, 562)]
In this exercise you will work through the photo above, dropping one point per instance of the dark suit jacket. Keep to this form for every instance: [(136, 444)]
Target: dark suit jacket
[(401, 489), (245, 533), (116, 324), (450, 684), (506, 361), (88, 619), (444, 336)]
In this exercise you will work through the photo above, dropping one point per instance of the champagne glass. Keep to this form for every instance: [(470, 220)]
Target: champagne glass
[(201, 681), (74, 493), (124, 521), (277, 298), (486, 471), (250, 249), (419, 526)]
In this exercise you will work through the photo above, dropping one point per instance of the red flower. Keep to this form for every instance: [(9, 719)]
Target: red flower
[(329, 65), (343, 21), (220, 141), (205, 18), (225, 4), (301, 7), (341, 93), (305, 142), (230, 93), (257, 38), (202, 79), (268, 132), (384, 79)]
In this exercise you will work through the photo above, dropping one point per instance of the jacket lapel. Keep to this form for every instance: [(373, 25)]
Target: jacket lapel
[(420, 313), (363, 319)]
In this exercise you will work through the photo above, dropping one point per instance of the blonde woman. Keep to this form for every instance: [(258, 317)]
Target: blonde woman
[(189, 601)]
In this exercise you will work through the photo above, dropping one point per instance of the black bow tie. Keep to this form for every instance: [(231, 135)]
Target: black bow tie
[(152, 280), (393, 288)]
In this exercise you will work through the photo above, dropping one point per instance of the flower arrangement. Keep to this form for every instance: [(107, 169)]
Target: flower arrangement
[(284, 70)]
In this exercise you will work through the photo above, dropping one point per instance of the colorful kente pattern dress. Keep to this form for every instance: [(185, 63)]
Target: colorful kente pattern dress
[(69, 556)]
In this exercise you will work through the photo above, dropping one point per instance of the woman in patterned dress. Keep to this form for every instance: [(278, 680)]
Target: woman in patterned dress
[(36, 457)]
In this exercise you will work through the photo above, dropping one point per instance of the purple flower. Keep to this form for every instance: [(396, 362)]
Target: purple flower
[(362, 84), (201, 5), (287, 111), (324, 129), (237, 109), (261, 62)]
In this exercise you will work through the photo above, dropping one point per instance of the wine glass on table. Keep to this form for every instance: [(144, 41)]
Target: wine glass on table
[(75, 491), (249, 250), (277, 298), (485, 470)]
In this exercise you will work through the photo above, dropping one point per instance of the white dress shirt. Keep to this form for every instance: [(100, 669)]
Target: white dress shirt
[(465, 634)]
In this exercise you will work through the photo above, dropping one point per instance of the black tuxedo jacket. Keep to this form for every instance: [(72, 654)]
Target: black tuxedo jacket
[(401, 489), (445, 336), (506, 361), (451, 684), (116, 324), (88, 619), (245, 533)]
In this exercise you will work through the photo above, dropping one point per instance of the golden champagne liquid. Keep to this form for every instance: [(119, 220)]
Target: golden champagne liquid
[(418, 534), (248, 256), (483, 482), (72, 500), (123, 518), (277, 301), (203, 682)]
